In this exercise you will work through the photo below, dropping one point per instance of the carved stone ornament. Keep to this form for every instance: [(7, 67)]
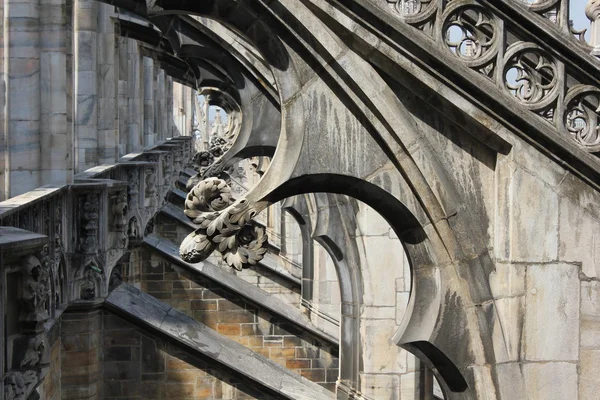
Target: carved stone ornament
[(18, 384), (149, 227), (150, 186), (35, 294), (531, 77), (167, 169), (35, 353), (133, 187), (210, 163), (87, 291), (88, 241), (116, 277), (120, 210), (224, 225)]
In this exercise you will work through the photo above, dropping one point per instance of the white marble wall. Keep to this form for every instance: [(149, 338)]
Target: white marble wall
[(55, 138), (135, 95), (74, 95), (85, 16), (108, 150), (160, 122), (326, 298), (182, 109), (149, 104), (388, 370), (22, 118)]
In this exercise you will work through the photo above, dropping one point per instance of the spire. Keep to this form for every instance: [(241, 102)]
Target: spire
[(592, 11)]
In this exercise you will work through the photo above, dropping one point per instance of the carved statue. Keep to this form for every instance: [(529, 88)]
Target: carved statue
[(133, 188), (150, 191), (119, 210), (35, 352), (17, 384), (89, 224), (87, 290), (36, 288), (132, 229)]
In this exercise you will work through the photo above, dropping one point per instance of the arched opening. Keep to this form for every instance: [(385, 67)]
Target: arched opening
[(404, 226)]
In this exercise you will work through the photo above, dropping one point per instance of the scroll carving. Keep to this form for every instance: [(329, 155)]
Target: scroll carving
[(224, 225)]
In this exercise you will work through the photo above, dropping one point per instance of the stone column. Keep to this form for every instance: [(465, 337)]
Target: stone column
[(162, 117), (171, 128), (123, 67), (86, 87), (206, 133), (149, 131), (56, 139), (177, 107), (22, 109), (3, 122), (188, 110), (134, 105), (592, 11), (107, 87)]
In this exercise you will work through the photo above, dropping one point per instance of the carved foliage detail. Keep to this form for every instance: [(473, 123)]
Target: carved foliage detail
[(210, 163), (224, 225)]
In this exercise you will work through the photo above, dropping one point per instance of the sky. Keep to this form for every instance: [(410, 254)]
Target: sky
[(577, 14)]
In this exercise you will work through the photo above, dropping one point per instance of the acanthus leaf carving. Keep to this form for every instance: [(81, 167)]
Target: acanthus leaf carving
[(224, 225)]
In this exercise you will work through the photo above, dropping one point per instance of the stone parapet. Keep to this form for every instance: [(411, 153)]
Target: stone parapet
[(60, 246)]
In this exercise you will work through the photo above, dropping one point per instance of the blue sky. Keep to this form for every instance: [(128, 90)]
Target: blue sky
[(577, 14)]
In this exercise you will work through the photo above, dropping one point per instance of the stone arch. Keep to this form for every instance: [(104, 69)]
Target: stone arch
[(408, 230), (429, 194)]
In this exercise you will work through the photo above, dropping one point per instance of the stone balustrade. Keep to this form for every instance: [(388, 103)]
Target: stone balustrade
[(64, 245), (486, 37)]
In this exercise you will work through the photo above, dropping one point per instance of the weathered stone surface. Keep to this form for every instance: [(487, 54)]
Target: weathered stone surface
[(239, 286), (541, 379), (552, 304), (196, 336)]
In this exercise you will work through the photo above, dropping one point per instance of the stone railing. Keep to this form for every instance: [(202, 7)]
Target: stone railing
[(559, 15), (65, 245), (496, 40)]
